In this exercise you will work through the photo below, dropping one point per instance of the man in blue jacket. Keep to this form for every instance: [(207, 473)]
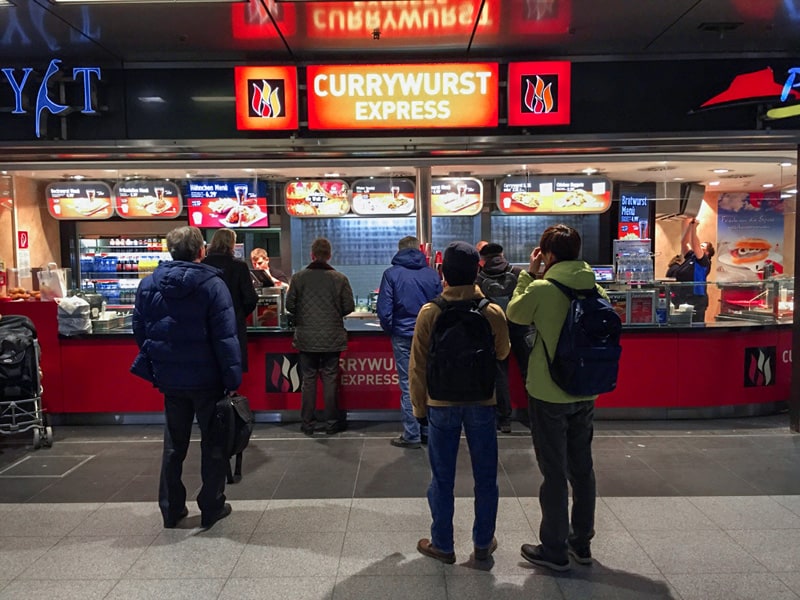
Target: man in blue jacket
[(185, 327), (405, 287)]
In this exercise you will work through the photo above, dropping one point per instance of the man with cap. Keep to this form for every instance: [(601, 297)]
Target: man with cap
[(446, 418), (497, 280)]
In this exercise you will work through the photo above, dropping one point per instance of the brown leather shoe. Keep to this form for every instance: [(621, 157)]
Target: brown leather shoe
[(485, 553), (424, 546)]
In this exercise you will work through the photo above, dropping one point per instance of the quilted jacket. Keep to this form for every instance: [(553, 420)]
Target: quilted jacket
[(185, 326), (319, 297)]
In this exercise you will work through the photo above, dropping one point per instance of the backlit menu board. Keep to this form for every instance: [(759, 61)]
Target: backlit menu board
[(456, 196), (554, 195), (141, 199), (634, 210), (79, 200), (227, 203), (319, 198), (383, 196)]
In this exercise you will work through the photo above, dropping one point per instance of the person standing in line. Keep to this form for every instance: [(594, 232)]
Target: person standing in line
[(446, 418), (236, 276), (405, 287), (319, 297), (260, 261), (693, 268), (185, 326), (497, 280), (562, 425), (479, 246)]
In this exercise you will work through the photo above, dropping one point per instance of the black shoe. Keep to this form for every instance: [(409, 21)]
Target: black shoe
[(172, 522), (307, 429), (426, 547), (207, 522), (402, 442), (485, 553), (533, 554), (336, 427), (581, 556), (423, 439), (504, 427)]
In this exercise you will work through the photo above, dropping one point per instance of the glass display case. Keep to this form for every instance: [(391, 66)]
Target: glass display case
[(769, 301), (270, 312)]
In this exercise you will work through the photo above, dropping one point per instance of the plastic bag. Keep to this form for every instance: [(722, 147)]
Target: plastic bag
[(52, 282), (73, 315)]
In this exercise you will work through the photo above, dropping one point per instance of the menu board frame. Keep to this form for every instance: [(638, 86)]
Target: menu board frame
[(229, 203), (145, 199), (553, 195), (315, 198), (79, 200), (456, 196), (383, 196)]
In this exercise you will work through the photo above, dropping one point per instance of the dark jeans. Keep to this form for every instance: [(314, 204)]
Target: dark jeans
[(180, 408), (444, 436), (562, 438), (700, 303), (326, 366), (521, 349)]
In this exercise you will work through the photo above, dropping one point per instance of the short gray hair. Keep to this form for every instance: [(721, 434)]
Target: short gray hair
[(184, 243), (408, 242)]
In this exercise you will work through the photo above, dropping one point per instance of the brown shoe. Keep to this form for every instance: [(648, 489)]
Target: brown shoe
[(485, 553), (424, 546)]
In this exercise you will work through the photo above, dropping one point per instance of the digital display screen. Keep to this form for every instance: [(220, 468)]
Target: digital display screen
[(603, 273), (227, 203)]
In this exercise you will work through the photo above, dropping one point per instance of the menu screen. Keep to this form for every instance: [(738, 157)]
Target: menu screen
[(554, 195), (633, 215), (456, 196), (322, 198), (379, 196), (227, 203), (140, 199), (79, 200)]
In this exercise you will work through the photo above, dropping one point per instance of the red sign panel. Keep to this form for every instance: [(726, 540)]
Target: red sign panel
[(266, 98), (539, 93), (227, 204), (79, 200), (22, 240), (139, 199)]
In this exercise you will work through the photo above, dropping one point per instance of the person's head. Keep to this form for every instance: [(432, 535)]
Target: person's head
[(490, 249), (222, 242), (321, 250), (186, 243), (259, 258), (460, 264), (708, 249), (560, 242), (408, 242), (479, 246)]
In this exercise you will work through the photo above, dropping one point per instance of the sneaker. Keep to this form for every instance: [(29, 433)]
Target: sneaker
[(485, 553), (402, 442), (426, 547), (582, 556), (172, 522), (533, 554), (207, 522)]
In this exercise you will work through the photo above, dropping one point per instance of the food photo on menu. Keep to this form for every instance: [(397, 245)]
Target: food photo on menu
[(227, 204), (379, 196), (142, 199), (546, 195), (463, 196), (326, 197), (83, 200)]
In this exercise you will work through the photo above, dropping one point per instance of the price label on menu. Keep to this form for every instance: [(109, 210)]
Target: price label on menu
[(89, 200), (381, 196), (554, 195), (452, 196), (141, 199), (227, 204)]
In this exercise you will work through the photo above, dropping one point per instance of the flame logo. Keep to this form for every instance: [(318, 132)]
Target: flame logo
[(265, 103), (759, 370), (283, 373), (539, 97)]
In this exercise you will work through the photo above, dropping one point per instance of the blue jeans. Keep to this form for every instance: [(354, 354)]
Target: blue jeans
[(401, 346), (444, 436)]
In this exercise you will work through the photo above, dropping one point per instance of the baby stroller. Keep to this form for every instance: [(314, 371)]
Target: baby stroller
[(20, 381)]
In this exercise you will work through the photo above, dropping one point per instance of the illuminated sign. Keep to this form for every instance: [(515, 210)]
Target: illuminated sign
[(251, 21), (760, 86), (139, 199), (266, 98), (554, 195), (317, 198), (536, 17), (43, 101), (227, 204), (383, 196), (539, 93), (79, 200), (420, 96), (456, 197)]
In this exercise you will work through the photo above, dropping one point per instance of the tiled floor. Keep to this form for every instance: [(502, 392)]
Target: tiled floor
[(687, 510)]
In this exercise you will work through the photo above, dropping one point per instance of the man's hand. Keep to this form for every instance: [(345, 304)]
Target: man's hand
[(537, 262)]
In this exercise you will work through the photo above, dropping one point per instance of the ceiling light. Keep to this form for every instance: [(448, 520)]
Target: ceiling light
[(152, 99), (77, 177), (589, 171), (330, 175), (678, 179), (785, 164), (721, 171), (713, 183), (767, 185), (6, 3), (249, 170), (786, 195), (219, 99), (792, 191)]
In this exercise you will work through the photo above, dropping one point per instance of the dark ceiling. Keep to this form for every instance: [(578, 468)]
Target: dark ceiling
[(300, 32)]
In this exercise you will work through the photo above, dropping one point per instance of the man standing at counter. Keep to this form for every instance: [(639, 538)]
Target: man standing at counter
[(260, 260), (405, 287), (319, 297), (185, 327)]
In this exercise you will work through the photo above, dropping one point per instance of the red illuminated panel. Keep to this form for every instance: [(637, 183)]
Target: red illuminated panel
[(540, 17), (554, 195), (79, 200), (220, 203), (251, 21), (138, 199), (539, 93), (266, 98), (318, 198), (424, 96)]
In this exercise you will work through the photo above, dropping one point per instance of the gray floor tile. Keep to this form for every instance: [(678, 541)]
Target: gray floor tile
[(777, 549), (792, 581), (18, 553), (395, 514), (286, 554), (184, 554), (390, 587), (244, 519), (63, 590), (502, 587), (261, 476), (386, 553), (122, 518), (174, 589), (731, 586), (750, 512), (45, 519), (618, 550), (305, 515), (510, 514), (615, 585), (279, 588), (635, 483), (790, 502), (504, 561), (707, 480), (22, 490), (671, 514)]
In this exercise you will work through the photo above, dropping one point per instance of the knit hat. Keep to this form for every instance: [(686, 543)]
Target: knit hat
[(491, 249), (460, 263)]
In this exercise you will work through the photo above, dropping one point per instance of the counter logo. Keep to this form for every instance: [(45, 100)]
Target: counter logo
[(759, 366), (761, 87), (267, 98), (541, 94), (283, 373)]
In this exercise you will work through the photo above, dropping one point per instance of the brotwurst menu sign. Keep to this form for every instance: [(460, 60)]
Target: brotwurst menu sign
[(402, 96)]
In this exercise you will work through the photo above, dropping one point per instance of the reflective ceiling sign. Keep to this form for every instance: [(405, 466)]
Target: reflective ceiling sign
[(423, 96), (539, 93), (266, 98)]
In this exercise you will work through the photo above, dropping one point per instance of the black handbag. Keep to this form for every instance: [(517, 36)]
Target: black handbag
[(233, 424)]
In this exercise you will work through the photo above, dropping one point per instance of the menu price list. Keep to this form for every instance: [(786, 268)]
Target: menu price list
[(227, 204)]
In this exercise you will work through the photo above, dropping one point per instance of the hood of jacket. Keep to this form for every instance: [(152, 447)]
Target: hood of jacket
[(179, 278), (576, 274), (495, 265), (410, 258)]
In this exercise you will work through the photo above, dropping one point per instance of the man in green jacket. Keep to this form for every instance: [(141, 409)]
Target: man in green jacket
[(562, 425)]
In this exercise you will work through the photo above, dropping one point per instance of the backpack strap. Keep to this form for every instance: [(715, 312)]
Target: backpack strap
[(484, 302), (440, 302)]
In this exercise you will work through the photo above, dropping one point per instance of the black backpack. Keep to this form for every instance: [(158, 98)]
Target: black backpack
[(461, 358), (233, 424), (498, 288), (19, 358), (586, 360)]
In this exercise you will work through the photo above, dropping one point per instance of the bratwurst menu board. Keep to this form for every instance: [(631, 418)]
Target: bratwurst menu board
[(227, 204), (456, 196), (383, 196), (141, 199), (322, 198), (79, 200), (554, 195)]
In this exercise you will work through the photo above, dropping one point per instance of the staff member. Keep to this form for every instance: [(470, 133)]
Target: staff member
[(694, 267), (260, 260)]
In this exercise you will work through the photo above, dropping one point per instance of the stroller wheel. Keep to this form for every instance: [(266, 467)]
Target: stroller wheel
[(47, 441), (37, 439)]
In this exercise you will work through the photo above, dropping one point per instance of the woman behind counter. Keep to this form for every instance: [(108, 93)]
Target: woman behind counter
[(236, 276), (694, 266)]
